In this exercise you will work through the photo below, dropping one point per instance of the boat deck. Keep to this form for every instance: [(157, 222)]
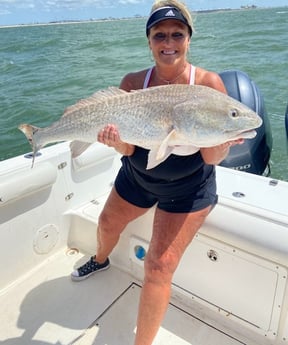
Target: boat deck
[(46, 307), (230, 287)]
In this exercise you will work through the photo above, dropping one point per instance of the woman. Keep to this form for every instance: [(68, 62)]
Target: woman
[(183, 186)]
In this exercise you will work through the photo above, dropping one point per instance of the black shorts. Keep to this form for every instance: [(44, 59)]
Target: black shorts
[(179, 196)]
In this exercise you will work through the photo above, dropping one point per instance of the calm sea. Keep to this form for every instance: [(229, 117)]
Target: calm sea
[(43, 69)]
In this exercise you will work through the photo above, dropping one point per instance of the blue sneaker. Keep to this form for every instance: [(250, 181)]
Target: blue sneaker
[(89, 268)]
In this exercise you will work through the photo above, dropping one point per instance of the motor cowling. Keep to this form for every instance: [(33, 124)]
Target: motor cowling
[(253, 156), (286, 121)]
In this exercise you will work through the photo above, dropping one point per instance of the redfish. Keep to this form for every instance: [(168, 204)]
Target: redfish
[(160, 119)]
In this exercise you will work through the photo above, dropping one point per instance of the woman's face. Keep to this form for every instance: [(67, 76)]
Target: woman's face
[(169, 41)]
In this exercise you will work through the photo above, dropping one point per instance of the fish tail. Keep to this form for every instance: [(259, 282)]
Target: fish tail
[(29, 132)]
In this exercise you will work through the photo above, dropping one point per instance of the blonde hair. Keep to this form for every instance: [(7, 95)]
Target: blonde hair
[(174, 3)]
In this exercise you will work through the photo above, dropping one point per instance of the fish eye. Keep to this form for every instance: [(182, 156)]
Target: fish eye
[(234, 113)]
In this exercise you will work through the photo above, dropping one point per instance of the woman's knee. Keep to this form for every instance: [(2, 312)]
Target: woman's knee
[(104, 221), (114, 221), (161, 269)]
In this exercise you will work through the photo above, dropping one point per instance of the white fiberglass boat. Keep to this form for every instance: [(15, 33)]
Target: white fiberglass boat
[(231, 287)]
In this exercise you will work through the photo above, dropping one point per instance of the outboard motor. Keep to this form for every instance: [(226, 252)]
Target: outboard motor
[(286, 121), (252, 156)]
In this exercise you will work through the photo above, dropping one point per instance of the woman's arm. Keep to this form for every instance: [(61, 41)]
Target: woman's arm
[(216, 154), (109, 135)]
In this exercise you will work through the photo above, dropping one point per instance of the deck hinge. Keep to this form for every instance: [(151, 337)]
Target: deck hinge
[(62, 165), (69, 196), (273, 183)]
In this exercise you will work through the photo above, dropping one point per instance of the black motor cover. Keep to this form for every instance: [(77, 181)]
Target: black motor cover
[(252, 156), (286, 121)]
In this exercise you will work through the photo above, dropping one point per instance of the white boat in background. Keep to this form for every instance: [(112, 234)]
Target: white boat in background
[(231, 287)]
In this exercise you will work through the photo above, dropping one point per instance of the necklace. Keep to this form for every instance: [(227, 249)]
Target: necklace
[(173, 80)]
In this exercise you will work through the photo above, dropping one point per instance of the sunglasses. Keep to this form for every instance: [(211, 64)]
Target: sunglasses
[(175, 36)]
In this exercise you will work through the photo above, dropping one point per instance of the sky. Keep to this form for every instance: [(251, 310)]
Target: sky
[(13, 12)]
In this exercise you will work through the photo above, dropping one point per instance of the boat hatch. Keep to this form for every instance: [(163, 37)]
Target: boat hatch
[(117, 326)]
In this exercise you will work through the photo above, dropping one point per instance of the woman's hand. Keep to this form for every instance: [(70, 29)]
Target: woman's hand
[(109, 136), (216, 154)]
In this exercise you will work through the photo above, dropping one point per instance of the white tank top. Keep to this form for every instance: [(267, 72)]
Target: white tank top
[(184, 150), (149, 73)]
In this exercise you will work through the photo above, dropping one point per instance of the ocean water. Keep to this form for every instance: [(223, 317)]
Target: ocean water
[(44, 69)]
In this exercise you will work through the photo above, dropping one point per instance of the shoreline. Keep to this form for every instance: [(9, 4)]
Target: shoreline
[(66, 22)]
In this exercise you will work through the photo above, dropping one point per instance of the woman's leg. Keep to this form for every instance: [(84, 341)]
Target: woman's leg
[(116, 214), (172, 233)]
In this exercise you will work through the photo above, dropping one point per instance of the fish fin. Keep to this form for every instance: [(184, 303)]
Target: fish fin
[(164, 145), (153, 161), (158, 155), (29, 132), (78, 147), (98, 96), (106, 93), (185, 150)]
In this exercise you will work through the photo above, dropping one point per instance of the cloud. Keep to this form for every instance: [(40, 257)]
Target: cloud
[(130, 2), (14, 4), (72, 4), (7, 2), (30, 10), (4, 12)]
